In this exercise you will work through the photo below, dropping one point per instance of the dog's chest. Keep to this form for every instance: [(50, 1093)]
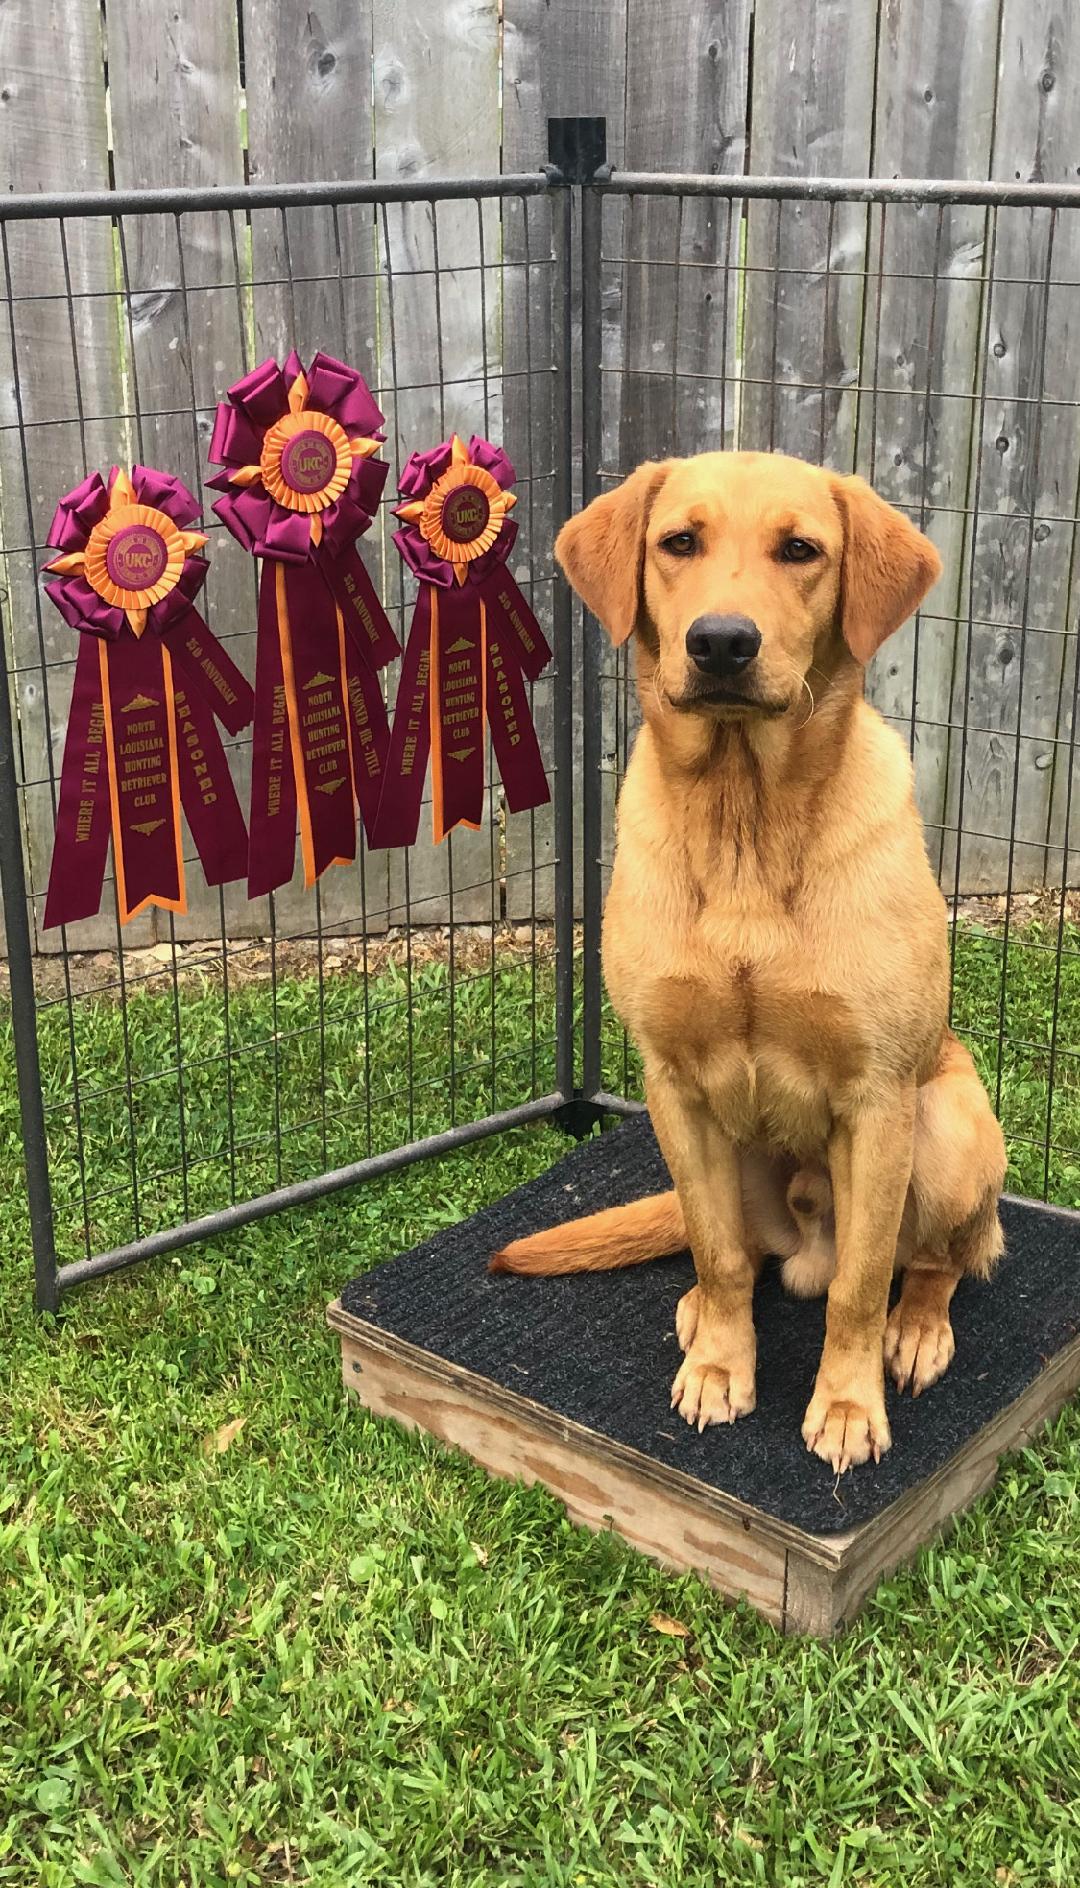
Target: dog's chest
[(737, 1013)]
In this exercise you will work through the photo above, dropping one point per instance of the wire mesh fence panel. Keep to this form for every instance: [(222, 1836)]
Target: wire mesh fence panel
[(252, 1053), (192, 1065), (916, 334)]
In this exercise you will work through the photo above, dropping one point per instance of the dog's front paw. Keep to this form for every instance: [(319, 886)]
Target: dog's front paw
[(715, 1383), (847, 1430), (705, 1393), (919, 1345)]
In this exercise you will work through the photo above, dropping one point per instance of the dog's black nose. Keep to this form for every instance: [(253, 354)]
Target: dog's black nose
[(722, 645)]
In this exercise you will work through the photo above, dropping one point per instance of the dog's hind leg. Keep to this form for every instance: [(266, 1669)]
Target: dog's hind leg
[(919, 1342), (951, 1226)]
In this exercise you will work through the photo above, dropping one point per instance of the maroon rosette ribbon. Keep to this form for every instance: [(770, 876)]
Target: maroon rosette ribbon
[(151, 682), (473, 642), (301, 483)]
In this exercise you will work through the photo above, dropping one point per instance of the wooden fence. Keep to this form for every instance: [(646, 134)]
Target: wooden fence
[(218, 91)]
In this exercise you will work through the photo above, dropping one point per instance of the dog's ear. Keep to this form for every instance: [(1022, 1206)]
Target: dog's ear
[(601, 552), (888, 567)]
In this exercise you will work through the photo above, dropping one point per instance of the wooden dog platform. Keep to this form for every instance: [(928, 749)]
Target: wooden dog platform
[(566, 1381)]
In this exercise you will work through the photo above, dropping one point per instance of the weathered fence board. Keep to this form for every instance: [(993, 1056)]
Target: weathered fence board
[(936, 81), (1025, 475), (529, 335), (813, 94), (687, 98), (176, 120), (528, 339), (59, 374), (686, 109), (308, 86), (557, 62), (436, 113), (308, 89)]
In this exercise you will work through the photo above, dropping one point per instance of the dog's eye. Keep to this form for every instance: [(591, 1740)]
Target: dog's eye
[(798, 551), (679, 543)]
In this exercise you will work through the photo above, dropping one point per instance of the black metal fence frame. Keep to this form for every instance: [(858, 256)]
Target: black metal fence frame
[(577, 186)]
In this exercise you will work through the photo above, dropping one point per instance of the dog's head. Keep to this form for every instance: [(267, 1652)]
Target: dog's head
[(736, 568)]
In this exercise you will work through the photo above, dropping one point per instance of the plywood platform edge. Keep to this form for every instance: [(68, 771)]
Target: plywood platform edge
[(803, 1582)]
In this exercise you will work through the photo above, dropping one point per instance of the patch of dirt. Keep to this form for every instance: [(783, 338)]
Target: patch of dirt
[(252, 960), (1043, 907), (255, 960)]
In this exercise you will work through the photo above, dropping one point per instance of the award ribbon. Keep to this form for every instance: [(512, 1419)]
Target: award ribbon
[(301, 482), (151, 683), (472, 643)]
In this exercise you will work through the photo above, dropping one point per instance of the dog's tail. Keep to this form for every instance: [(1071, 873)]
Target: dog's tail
[(623, 1235)]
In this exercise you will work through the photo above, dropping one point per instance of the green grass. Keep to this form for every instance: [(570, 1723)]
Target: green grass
[(318, 1078), (332, 1654), (1034, 1078)]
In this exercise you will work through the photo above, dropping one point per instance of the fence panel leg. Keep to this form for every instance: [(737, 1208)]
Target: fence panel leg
[(563, 638), (23, 1006), (592, 209)]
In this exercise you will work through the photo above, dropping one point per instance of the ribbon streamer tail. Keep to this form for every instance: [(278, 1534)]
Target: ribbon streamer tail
[(81, 848), (520, 625), (364, 615), (457, 708), (398, 820), (196, 650), (207, 793), (513, 735), (369, 735), (313, 664), (140, 744)]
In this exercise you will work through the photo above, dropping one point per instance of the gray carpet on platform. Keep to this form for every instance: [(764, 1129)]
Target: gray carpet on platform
[(601, 1348)]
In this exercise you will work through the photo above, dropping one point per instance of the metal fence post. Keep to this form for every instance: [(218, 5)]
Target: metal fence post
[(577, 150), (23, 1007), (592, 209), (563, 638)]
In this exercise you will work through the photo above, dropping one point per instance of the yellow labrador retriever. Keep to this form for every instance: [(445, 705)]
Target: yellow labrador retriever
[(774, 939)]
